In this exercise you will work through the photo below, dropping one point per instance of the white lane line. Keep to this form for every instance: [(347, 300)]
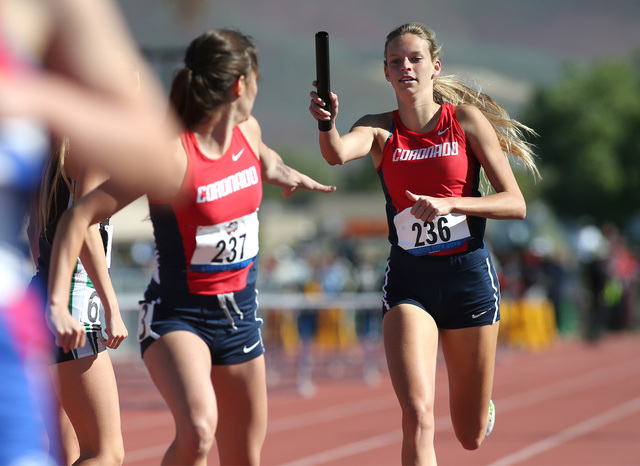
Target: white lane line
[(350, 449), (368, 405), (332, 413), (512, 403), (572, 385), (368, 444), (614, 414)]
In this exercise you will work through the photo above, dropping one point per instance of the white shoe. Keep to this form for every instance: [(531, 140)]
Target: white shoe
[(492, 418)]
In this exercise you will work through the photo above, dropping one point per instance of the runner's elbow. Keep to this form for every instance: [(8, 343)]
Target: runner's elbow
[(334, 159)]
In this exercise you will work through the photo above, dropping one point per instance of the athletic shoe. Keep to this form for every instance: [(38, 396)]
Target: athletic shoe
[(492, 418)]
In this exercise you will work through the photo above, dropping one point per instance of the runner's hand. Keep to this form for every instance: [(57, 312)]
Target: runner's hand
[(68, 332), (427, 208)]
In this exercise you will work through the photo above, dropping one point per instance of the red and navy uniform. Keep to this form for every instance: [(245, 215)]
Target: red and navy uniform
[(438, 164), (214, 192), (206, 238), (442, 266)]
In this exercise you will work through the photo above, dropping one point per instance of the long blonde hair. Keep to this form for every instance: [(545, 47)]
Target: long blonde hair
[(54, 175), (451, 90)]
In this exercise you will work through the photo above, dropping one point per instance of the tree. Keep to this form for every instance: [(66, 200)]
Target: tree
[(589, 144)]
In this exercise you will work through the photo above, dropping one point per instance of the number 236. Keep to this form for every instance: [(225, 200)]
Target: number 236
[(430, 232)]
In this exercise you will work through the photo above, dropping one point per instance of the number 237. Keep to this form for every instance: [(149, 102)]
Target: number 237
[(233, 249)]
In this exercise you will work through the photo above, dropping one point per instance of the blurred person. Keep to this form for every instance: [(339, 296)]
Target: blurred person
[(307, 327), (368, 324), (439, 281), (623, 273), (25, 406), (63, 62), (593, 251), (89, 415), (198, 329), (86, 382), (57, 62)]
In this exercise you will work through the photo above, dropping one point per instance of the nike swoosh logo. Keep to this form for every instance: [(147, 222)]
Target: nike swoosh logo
[(235, 157), (251, 348), (440, 133), (475, 316)]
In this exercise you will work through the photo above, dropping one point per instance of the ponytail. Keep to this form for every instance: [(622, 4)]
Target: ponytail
[(511, 133), (212, 62)]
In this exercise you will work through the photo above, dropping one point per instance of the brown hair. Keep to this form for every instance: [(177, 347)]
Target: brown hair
[(213, 61), (450, 90)]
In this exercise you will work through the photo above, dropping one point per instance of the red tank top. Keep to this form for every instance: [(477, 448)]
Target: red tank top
[(438, 164), (207, 235)]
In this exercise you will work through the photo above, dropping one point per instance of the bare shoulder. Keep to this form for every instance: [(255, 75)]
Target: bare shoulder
[(252, 132), (466, 112), (468, 116), (376, 121), (378, 126), (250, 125)]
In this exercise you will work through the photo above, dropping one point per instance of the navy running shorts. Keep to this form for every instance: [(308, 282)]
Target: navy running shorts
[(458, 291), (228, 324)]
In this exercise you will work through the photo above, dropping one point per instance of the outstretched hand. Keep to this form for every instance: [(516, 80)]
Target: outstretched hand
[(427, 208), (308, 184)]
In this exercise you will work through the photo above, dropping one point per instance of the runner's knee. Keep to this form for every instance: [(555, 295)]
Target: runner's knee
[(198, 436), (470, 436), (417, 417)]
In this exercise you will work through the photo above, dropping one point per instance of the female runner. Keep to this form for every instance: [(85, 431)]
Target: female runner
[(439, 281), (85, 378), (199, 331)]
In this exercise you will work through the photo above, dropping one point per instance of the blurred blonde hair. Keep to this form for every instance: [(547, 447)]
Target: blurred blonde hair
[(451, 90), (54, 175)]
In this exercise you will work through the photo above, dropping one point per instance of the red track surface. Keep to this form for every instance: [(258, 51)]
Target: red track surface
[(570, 404)]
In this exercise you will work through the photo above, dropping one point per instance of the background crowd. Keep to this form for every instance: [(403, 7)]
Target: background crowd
[(588, 272)]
